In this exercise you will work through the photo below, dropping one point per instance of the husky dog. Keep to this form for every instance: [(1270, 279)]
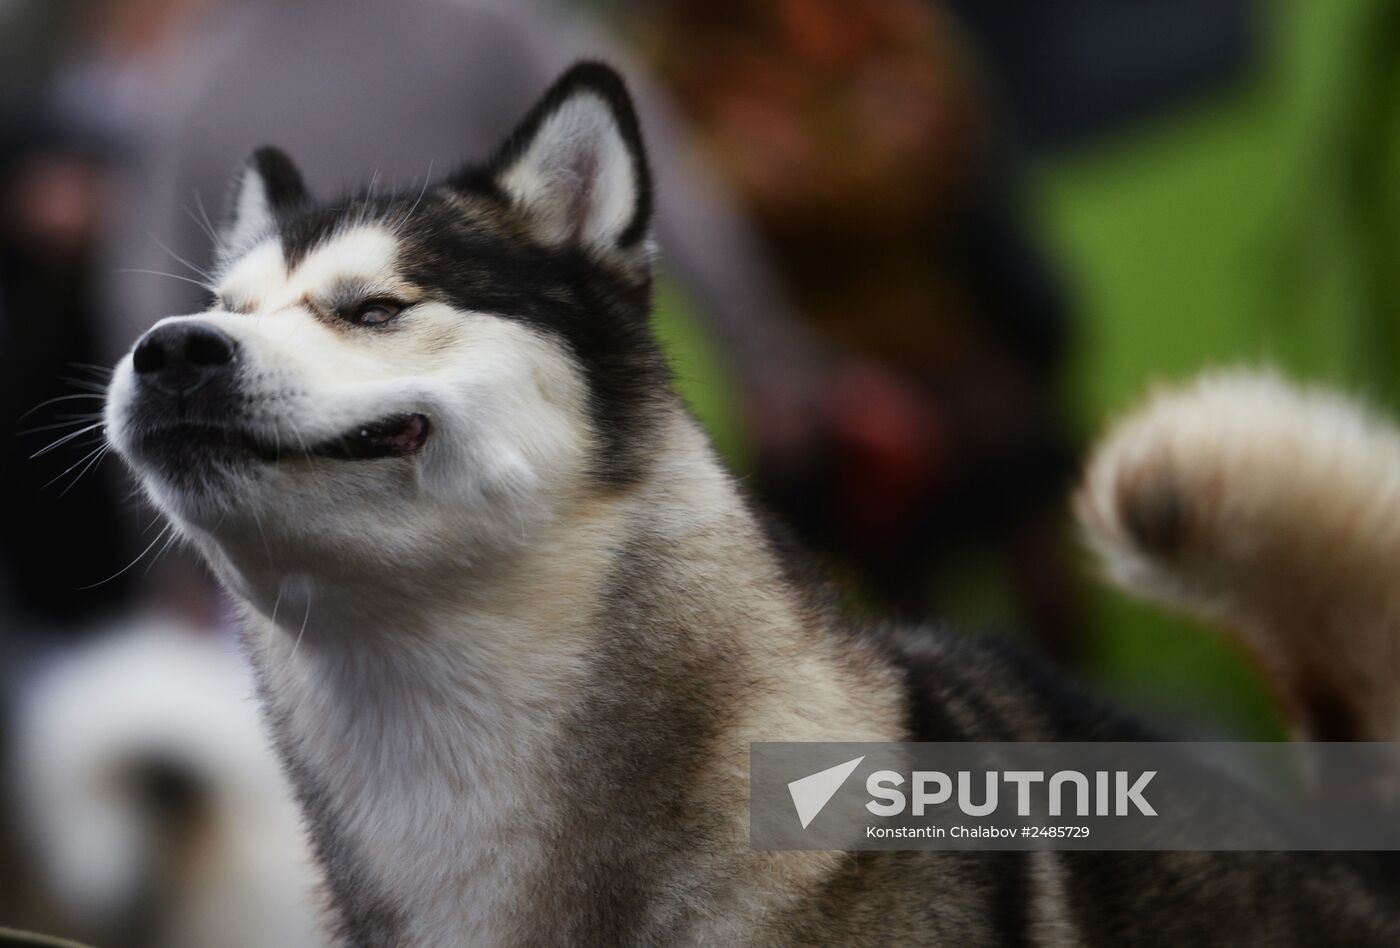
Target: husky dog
[(514, 626)]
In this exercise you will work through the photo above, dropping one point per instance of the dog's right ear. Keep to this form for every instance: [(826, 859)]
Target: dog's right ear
[(577, 168), (267, 187)]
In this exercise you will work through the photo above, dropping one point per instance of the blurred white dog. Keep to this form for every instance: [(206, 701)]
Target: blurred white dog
[(152, 801)]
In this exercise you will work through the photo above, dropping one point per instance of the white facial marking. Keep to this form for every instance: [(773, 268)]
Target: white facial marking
[(362, 253), (365, 254), (256, 276)]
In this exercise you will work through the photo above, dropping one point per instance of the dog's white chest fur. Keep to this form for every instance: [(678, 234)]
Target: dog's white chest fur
[(428, 773)]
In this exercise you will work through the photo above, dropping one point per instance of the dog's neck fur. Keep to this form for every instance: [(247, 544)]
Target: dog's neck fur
[(509, 768)]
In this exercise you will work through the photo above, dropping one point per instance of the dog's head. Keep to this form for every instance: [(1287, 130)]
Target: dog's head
[(384, 369)]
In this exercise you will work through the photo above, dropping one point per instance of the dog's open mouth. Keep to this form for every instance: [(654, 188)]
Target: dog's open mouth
[(396, 436)]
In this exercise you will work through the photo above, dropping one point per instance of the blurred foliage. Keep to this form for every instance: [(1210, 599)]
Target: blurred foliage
[(1262, 226), (703, 376)]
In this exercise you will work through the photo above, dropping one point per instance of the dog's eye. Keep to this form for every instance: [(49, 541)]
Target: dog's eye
[(374, 312)]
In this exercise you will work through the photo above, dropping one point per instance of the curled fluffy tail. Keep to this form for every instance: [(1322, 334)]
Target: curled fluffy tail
[(1273, 511)]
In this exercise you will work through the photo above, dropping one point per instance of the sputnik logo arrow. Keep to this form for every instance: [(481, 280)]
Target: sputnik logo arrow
[(812, 793)]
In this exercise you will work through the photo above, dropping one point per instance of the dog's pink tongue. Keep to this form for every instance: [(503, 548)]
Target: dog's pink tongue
[(410, 435), (397, 437)]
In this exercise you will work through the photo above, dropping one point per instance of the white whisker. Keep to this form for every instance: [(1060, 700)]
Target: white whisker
[(199, 271), (305, 617), (427, 179), (62, 398), (97, 388), (174, 276), (104, 370), (66, 423), (159, 553), (102, 452), (267, 548), (218, 240), (369, 197), (128, 566), (64, 440), (77, 463), (310, 459)]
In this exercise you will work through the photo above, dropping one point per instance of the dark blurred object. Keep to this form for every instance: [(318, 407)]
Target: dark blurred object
[(61, 531), (860, 137), (34, 35), (9, 938), (1067, 69), (88, 70)]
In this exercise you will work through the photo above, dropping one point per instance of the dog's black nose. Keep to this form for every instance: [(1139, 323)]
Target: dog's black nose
[(179, 358)]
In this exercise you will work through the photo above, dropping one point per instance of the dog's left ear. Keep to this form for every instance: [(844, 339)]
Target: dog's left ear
[(266, 188), (577, 167)]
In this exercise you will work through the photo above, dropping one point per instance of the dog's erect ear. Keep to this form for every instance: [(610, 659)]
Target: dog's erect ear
[(577, 167), (267, 187)]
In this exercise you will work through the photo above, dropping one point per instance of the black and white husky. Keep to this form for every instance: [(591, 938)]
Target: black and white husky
[(515, 628)]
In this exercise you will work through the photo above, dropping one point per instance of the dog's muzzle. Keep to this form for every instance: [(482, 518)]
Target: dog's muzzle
[(189, 406)]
